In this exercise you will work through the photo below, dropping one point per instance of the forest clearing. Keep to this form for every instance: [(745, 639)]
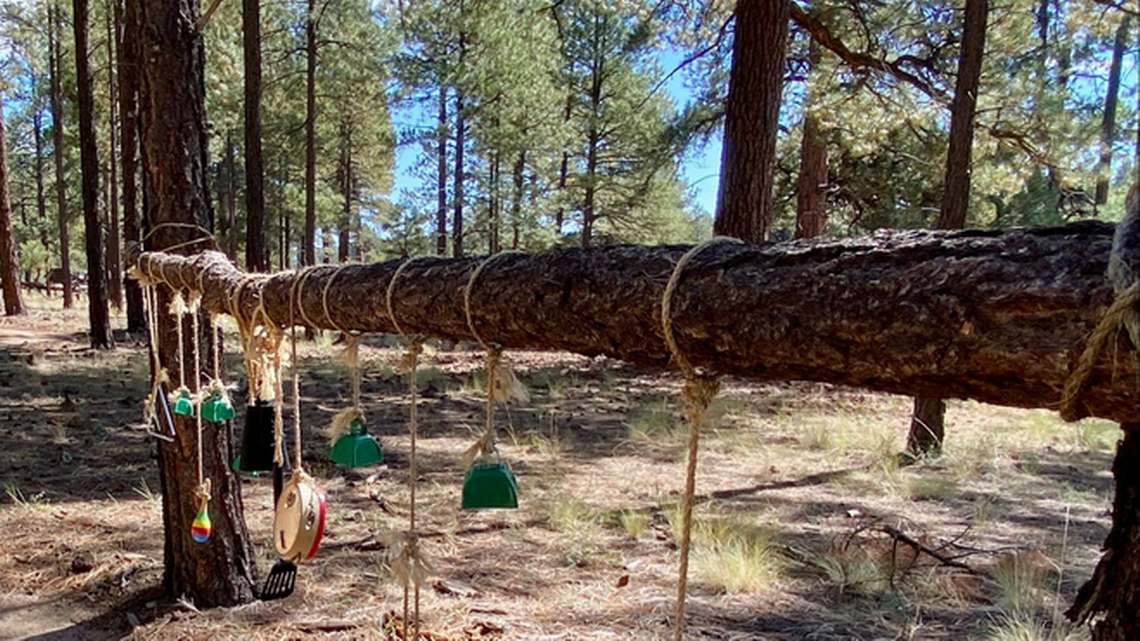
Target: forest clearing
[(570, 319), (799, 487)]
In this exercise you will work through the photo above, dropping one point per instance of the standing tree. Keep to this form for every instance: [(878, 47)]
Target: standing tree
[(101, 337), (220, 572), (309, 247), (811, 188), (56, 57), (1108, 120), (928, 422), (752, 113), (114, 242), (127, 21), (9, 270), (256, 247)]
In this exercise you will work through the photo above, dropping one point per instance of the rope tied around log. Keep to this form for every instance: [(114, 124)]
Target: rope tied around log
[(502, 384), (696, 394), (1120, 313)]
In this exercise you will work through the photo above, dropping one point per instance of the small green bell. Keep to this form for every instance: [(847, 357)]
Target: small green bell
[(490, 485), (183, 406), (356, 448), (217, 408)]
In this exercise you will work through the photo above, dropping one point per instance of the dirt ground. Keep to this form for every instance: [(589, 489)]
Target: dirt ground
[(807, 528)]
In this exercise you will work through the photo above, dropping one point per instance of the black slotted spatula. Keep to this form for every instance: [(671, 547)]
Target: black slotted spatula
[(283, 575)]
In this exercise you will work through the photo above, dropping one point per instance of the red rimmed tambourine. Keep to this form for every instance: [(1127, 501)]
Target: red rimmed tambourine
[(299, 521)]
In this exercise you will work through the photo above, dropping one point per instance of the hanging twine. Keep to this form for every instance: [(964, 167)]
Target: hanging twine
[(409, 564), (203, 491), (293, 300), (150, 310), (502, 385), (350, 356), (261, 351), (1120, 313), (696, 394)]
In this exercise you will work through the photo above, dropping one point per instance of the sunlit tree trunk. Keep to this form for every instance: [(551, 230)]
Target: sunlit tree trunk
[(126, 18), (752, 113), (9, 267), (256, 240), (98, 314), (55, 55), (221, 571), (928, 422)]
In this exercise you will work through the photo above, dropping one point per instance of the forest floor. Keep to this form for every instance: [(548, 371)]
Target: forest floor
[(806, 528)]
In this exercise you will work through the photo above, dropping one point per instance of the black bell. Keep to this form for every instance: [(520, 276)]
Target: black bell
[(257, 438)]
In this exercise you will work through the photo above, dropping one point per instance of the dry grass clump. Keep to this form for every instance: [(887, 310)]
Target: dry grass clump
[(1021, 581)]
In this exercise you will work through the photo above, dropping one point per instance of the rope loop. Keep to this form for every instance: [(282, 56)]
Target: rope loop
[(696, 394)]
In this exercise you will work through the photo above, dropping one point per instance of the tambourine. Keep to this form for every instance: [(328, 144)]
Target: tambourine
[(299, 521)]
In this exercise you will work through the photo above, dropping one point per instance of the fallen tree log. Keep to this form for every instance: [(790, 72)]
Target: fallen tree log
[(1000, 317)]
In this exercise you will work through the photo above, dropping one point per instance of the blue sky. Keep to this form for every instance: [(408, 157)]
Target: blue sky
[(700, 168)]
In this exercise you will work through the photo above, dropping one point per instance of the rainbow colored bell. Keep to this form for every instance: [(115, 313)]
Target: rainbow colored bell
[(200, 529), (183, 405), (217, 408)]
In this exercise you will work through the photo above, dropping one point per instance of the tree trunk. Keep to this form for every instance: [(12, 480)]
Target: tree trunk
[(221, 571), (1108, 122), (928, 422), (516, 204), (344, 228), (114, 241), (9, 267), (97, 312), (1000, 317), (56, 56), (1111, 597), (309, 249), (127, 21), (755, 89), (231, 200), (441, 177), (256, 240), (811, 189), (457, 188), (493, 206), (41, 199)]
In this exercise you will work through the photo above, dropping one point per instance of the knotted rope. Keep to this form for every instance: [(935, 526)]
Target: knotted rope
[(1118, 314), (409, 564), (350, 357), (502, 385), (696, 394)]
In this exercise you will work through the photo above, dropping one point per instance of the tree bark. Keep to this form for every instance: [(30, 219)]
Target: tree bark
[(127, 21), (956, 195), (256, 241), (1108, 121), (9, 267), (1112, 596), (1000, 317), (516, 204), (811, 189), (344, 228), (457, 188), (41, 199), (114, 240), (97, 312), (56, 57), (752, 111), (441, 176), (221, 571), (309, 251), (928, 422)]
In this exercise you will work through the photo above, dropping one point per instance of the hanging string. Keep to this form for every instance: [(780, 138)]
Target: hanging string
[(409, 364), (502, 385), (350, 357), (202, 494), (696, 394), (293, 300)]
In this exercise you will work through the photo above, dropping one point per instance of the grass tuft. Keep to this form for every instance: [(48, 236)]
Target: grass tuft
[(634, 523)]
